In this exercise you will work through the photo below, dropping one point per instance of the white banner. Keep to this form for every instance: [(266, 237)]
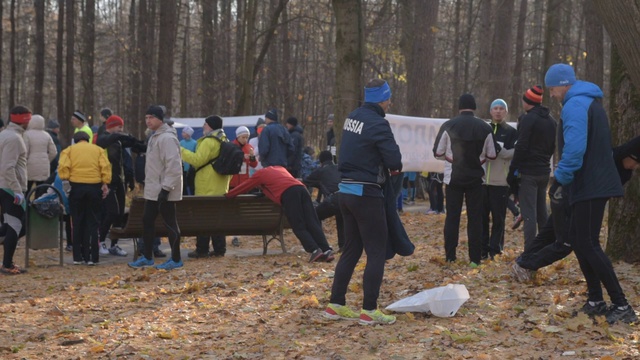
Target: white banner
[(415, 136)]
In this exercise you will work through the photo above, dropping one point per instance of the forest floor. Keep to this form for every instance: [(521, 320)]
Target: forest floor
[(269, 307)]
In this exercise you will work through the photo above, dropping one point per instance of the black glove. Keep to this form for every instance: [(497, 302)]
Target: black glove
[(139, 147), (163, 196), (512, 179), (555, 191), (131, 185)]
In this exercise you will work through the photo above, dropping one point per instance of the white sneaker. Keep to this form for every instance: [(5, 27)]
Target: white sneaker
[(117, 251), (103, 249)]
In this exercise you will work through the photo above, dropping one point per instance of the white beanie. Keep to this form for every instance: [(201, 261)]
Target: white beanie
[(187, 130), (242, 130)]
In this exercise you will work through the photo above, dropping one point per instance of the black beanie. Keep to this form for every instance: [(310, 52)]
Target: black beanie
[(466, 101), (293, 121), (106, 112), (325, 155), (214, 122), (156, 111), (80, 116), (272, 115)]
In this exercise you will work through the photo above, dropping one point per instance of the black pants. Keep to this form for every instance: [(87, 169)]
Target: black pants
[(218, 242), (513, 208), (13, 226), (365, 228), (113, 210), (552, 242), (331, 207), (495, 207), (303, 219), (85, 201), (167, 211), (473, 197), (584, 236), (436, 196)]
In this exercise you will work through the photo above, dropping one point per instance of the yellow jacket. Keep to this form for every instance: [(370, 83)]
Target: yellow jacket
[(84, 163), (208, 181)]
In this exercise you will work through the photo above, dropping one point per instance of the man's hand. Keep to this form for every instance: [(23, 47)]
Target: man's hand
[(555, 191), (18, 198), (163, 196), (131, 185), (105, 190)]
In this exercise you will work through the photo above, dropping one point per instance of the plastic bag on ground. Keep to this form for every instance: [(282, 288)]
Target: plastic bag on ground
[(442, 301)]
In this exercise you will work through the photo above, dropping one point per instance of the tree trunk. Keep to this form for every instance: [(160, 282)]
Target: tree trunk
[(349, 59), (12, 54), (594, 44), (62, 118), (69, 79), (146, 39), (208, 66), (456, 56), (620, 19), (39, 6), (167, 37), (418, 22), (517, 88), (485, 34), (500, 73), (552, 29), (184, 67), (134, 108), (624, 227), (88, 58)]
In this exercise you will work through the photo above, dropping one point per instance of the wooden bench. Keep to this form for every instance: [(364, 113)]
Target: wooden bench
[(214, 215)]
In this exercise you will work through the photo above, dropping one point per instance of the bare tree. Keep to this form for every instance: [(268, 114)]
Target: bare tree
[(12, 54), (500, 64), (208, 67), (59, 69), (350, 56), (69, 80), (88, 56), (134, 107), (620, 19), (39, 7), (517, 86), (419, 20), (167, 37), (594, 44)]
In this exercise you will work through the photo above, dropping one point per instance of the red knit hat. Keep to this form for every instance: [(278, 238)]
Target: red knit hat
[(533, 96), (113, 121)]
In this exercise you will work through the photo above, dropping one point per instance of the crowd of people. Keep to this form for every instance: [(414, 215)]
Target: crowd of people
[(489, 167)]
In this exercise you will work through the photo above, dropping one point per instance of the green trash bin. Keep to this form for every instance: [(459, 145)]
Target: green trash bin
[(43, 232)]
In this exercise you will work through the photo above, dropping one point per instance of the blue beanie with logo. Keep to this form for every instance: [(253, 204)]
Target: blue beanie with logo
[(499, 102), (560, 75)]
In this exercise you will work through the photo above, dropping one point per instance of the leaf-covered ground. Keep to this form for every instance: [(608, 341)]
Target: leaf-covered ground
[(269, 307)]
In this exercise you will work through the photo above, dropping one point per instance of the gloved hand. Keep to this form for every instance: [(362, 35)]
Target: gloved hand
[(131, 185), (18, 198), (512, 179), (555, 191), (163, 196), (66, 186)]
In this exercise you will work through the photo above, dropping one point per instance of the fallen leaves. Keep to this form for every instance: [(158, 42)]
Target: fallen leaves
[(269, 307)]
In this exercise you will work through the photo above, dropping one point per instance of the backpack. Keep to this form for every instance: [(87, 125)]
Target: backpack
[(229, 161)]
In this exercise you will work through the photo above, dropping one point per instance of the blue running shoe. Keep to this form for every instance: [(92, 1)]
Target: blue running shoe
[(170, 265), (141, 263)]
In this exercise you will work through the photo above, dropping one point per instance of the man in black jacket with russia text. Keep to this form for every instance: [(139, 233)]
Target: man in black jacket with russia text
[(465, 143)]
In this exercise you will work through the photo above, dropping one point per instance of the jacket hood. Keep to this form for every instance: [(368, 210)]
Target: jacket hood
[(166, 129), (583, 88), (297, 128), (540, 110), (36, 123)]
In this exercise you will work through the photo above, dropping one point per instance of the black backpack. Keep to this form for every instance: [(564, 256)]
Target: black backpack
[(229, 161)]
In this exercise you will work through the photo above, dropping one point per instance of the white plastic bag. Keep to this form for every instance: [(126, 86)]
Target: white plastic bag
[(442, 301)]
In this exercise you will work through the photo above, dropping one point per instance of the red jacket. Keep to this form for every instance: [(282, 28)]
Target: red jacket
[(244, 171), (272, 180)]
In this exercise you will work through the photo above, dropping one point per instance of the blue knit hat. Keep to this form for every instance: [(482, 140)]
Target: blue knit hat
[(560, 75), (377, 94), (499, 102)]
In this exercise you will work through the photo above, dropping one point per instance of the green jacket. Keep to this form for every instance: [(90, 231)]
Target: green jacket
[(208, 182)]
